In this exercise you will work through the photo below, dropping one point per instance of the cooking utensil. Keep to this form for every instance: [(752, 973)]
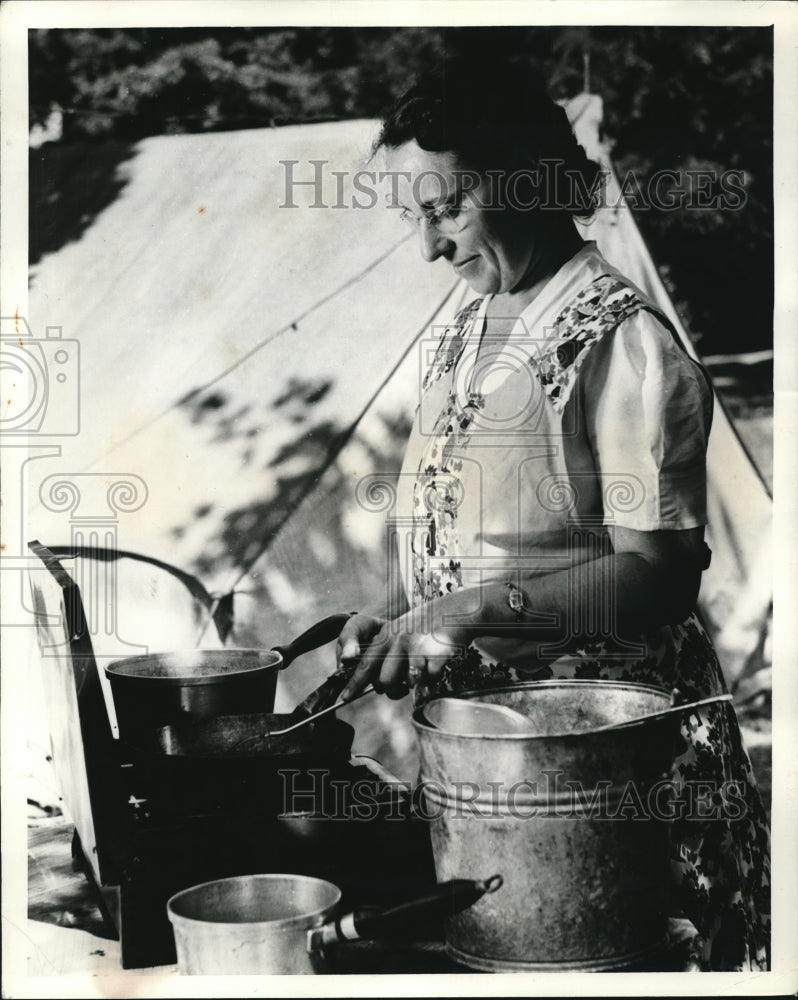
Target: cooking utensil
[(672, 710), (162, 688), (189, 766), (457, 715), (269, 733), (468, 717), (279, 924), (219, 763), (254, 736), (326, 693)]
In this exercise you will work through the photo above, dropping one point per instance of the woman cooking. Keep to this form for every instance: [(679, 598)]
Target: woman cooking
[(554, 483)]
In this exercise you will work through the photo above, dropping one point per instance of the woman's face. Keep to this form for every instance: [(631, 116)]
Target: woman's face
[(495, 250)]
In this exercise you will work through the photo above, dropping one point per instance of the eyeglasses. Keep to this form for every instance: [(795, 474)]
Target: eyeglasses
[(445, 219)]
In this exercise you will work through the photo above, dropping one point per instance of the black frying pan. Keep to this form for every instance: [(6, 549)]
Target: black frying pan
[(196, 767)]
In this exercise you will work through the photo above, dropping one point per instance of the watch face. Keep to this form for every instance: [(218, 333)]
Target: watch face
[(516, 600)]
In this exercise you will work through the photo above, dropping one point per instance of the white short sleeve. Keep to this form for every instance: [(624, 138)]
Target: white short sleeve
[(647, 410)]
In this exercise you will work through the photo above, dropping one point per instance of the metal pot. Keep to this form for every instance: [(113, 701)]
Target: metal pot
[(278, 924), (190, 764), (585, 881), (162, 688), (251, 925)]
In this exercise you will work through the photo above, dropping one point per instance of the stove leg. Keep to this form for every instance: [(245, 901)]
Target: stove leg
[(107, 895)]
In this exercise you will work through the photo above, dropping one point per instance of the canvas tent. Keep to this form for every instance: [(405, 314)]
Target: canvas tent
[(736, 590), (248, 372)]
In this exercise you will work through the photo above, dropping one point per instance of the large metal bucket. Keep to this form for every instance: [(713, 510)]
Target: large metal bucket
[(576, 821)]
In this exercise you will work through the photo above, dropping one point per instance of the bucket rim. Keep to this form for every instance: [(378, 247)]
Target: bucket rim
[(421, 725), (309, 919)]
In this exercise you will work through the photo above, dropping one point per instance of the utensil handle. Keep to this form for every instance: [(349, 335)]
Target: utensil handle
[(326, 693), (273, 733), (306, 720), (673, 710), (317, 635), (405, 920)]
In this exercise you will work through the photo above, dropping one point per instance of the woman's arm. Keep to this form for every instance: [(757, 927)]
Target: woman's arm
[(642, 404), (650, 579)]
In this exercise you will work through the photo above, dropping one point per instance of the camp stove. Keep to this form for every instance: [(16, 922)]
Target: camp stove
[(329, 835), (139, 843)]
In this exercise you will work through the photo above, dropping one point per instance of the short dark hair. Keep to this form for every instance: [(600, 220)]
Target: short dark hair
[(495, 117)]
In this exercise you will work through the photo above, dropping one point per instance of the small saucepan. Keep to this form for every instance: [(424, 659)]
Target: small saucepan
[(287, 924), (186, 685)]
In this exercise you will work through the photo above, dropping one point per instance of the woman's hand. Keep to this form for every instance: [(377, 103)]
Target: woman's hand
[(355, 637), (399, 653)]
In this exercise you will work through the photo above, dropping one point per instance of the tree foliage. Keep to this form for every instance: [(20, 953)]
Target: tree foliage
[(674, 98)]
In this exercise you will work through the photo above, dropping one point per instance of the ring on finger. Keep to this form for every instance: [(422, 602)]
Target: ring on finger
[(414, 675)]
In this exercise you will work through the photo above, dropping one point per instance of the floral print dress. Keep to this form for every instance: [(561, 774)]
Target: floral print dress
[(589, 414)]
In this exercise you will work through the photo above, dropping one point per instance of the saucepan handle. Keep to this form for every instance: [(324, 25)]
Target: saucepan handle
[(404, 920), (317, 635)]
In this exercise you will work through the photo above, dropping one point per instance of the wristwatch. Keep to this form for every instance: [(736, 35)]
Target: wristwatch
[(515, 599)]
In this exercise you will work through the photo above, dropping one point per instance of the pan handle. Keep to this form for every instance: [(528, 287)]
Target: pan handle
[(317, 635), (410, 919), (326, 693)]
